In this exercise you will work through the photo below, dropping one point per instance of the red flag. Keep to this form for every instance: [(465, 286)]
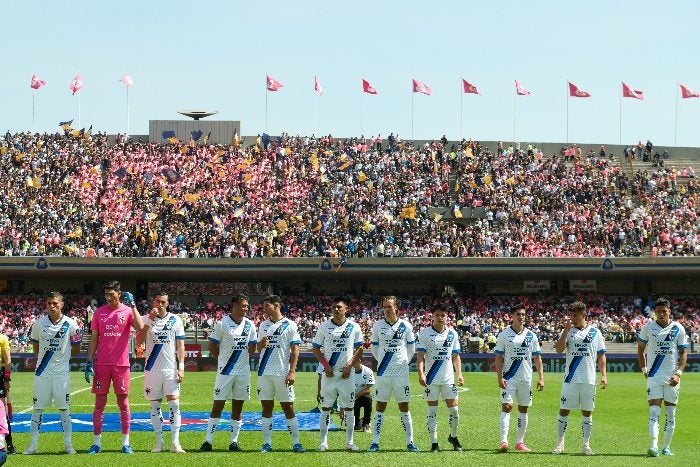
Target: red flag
[(76, 84), (687, 92), (520, 90), (273, 84), (421, 87), (317, 87), (629, 92), (574, 91), (368, 88), (469, 88), (36, 82), (126, 79)]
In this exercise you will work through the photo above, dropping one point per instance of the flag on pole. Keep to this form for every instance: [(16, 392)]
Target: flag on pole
[(574, 91), (421, 87), (126, 79), (273, 84), (317, 87), (687, 92), (520, 90), (36, 82), (469, 88), (368, 88), (629, 92), (76, 84)]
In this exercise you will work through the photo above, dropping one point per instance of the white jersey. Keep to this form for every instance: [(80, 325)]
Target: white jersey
[(517, 350), (582, 349), (362, 379), (233, 340), (160, 342), (55, 341), (338, 342), (281, 336), (438, 348), (662, 346), (391, 343)]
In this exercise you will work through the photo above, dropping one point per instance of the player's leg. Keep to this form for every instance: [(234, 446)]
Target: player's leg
[(153, 392), (61, 391), (175, 416), (100, 388), (285, 395), (655, 396), (524, 394), (222, 392), (569, 400), (328, 394), (346, 400), (430, 394), (402, 394), (240, 393), (507, 396), (43, 394), (449, 393), (587, 406), (121, 379), (5, 398), (670, 401)]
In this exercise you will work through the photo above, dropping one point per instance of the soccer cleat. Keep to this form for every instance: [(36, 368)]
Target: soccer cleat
[(267, 447), (666, 452), (522, 447), (205, 447), (11, 449), (504, 446), (653, 452), (234, 446), (434, 447), (351, 447), (69, 450), (126, 449), (94, 449), (455, 443), (31, 450), (559, 449), (322, 447), (374, 447), (159, 447), (298, 448), (587, 451), (176, 448), (412, 448)]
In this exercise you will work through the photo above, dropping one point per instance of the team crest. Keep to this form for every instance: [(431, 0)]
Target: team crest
[(122, 319)]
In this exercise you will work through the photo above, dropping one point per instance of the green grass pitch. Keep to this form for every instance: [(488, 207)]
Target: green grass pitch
[(620, 435)]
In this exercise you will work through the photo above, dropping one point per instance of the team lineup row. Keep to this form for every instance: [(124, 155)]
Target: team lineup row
[(338, 346)]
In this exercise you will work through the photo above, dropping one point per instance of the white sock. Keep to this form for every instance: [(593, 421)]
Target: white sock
[(125, 439), (453, 420), (67, 426), (97, 440), (670, 425), (378, 422), (522, 427), (211, 428), (407, 423), (3, 445), (323, 420), (654, 413), (505, 426), (35, 426), (562, 422), (266, 429), (175, 420), (350, 426), (431, 419), (235, 429), (157, 421), (293, 427), (587, 427)]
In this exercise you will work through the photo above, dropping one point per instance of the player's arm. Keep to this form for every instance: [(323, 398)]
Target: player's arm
[(420, 367), (540, 371), (642, 358), (602, 364), (410, 344), (560, 345), (213, 348), (457, 365), (357, 355), (92, 346), (293, 359), (327, 368), (374, 343), (142, 333), (499, 370), (180, 351)]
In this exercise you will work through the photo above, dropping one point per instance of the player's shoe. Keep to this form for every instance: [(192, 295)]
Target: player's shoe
[(410, 447), (298, 448), (126, 449), (69, 449), (559, 449), (522, 447), (374, 447), (455, 443), (205, 447), (234, 447), (94, 449), (158, 447), (11, 449), (351, 447), (31, 450), (267, 447), (503, 447), (176, 448), (666, 452), (323, 447), (434, 447), (587, 451), (653, 452)]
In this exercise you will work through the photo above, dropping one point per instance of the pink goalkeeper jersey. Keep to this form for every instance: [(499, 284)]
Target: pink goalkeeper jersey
[(114, 330)]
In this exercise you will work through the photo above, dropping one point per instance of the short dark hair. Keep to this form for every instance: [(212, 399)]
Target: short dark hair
[(57, 295), (340, 299), (579, 307), (516, 308), (238, 297), (662, 301), (112, 285), (273, 299)]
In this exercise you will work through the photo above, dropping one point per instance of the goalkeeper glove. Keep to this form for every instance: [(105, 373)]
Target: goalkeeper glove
[(89, 371), (128, 298)]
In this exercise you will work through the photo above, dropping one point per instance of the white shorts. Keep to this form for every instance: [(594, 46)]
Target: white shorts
[(433, 392), (657, 390), (52, 388), (397, 385), (577, 396), (274, 388), (522, 392), (234, 387), (337, 387), (157, 384)]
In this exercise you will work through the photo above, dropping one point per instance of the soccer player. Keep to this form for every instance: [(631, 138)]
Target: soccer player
[(364, 382), (54, 339), (233, 341), (341, 340), (5, 376), (279, 338), (663, 343), (164, 335), (109, 347), (438, 350), (393, 345), (4, 431), (582, 343), (516, 348)]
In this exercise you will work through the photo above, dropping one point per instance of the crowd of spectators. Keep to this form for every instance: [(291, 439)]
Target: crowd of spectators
[(78, 194)]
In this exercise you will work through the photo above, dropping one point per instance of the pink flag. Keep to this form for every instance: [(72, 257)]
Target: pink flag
[(629, 92), (368, 88), (36, 82), (520, 90), (273, 84), (317, 87), (687, 92), (574, 91), (76, 84), (126, 79), (421, 87), (469, 88)]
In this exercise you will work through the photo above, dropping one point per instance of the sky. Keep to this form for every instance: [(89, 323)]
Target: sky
[(214, 55)]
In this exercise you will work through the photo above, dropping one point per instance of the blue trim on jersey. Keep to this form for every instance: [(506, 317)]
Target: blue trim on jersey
[(682, 346), (334, 358), (374, 343), (263, 361), (572, 368), (231, 362), (602, 351), (656, 365), (318, 346), (500, 352), (672, 335), (512, 370), (420, 349), (410, 342), (152, 357), (357, 344), (295, 343), (433, 371), (44, 362), (537, 353), (215, 341), (33, 341), (641, 340), (455, 351), (180, 337), (384, 363)]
